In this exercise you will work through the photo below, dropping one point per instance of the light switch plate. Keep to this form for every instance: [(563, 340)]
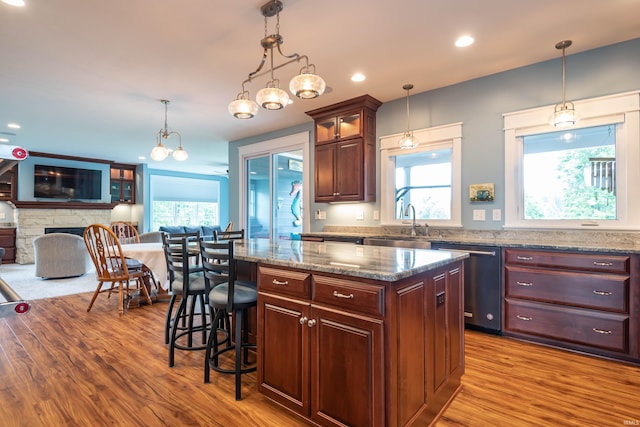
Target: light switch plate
[(497, 215)]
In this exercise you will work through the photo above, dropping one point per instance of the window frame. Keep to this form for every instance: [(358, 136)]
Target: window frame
[(437, 137), (622, 110)]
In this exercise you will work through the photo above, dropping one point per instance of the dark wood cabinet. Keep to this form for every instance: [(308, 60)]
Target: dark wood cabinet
[(8, 184), (582, 301), (341, 350), (123, 184), (8, 242), (345, 154)]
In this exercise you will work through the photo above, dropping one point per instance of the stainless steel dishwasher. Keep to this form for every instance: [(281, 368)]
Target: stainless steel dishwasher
[(482, 285)]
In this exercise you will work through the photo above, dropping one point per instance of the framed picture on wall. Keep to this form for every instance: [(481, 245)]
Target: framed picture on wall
[(481, 192)]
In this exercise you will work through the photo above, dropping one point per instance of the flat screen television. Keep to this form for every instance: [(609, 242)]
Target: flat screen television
[(57, 182)]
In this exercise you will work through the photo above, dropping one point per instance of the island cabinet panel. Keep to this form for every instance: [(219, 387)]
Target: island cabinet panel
[(360, 352), (584, 301)]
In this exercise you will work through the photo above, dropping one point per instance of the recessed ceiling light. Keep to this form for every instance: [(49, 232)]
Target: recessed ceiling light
[(18, 3), (4, 140), (13, 126), (358, 77), (464, 41)]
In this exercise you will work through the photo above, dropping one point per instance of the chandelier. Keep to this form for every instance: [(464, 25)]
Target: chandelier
[(408, 140), (564, 114), (160, 152), (306, 85)]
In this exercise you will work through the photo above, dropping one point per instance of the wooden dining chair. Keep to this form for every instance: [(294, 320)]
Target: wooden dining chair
[(227, 298), (113, 267), (229, 226), (125, 232)]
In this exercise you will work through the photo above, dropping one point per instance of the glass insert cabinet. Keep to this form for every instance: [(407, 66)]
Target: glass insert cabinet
[(123, 183)]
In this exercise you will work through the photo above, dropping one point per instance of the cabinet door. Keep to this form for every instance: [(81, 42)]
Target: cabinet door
[(116, 191), (346, 356), (349, 166), (283, 351), (326, 130), (325, 167), (350, 125)]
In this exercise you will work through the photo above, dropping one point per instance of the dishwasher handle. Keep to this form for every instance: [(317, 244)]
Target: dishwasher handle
[(489, 253)]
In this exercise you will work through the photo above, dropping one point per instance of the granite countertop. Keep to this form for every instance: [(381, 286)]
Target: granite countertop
[(371, 262), (582, 241)]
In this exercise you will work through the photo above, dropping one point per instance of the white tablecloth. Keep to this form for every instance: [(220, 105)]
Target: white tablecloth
[(151, 255)]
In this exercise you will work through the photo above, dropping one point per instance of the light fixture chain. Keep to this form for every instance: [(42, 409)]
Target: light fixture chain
[(563, 77), (278, 20)]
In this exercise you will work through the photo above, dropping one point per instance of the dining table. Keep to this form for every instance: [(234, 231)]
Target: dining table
[(151, 255)]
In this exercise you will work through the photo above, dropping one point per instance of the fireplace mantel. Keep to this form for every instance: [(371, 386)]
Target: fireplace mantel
[(62, 205)]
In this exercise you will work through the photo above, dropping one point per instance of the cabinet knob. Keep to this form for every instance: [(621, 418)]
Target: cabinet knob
[(277, 282), (303, 320), (525, 318), (311, 323), (339, 295)]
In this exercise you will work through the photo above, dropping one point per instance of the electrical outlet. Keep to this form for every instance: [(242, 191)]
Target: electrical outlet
[(478, 214), (360, 216), (322, 214), (376, 215), (497, 215)]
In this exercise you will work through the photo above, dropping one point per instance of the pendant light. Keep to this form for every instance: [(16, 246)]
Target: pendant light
[(408, 140), (564, 114), (306, 85), (160, 152)]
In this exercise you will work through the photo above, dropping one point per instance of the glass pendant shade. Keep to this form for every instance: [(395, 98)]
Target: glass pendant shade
[(564, 115), (243, 108), (159, 152), (307, 86), (407, 141), (272, 98), (180, 155)]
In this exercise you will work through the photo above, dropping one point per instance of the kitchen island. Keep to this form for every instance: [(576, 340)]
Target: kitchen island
[(358, 335)]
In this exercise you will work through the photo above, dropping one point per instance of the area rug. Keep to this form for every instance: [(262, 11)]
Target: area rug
[(22, 279)]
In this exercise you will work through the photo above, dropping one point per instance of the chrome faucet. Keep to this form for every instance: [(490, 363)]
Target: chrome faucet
[(413, 220)]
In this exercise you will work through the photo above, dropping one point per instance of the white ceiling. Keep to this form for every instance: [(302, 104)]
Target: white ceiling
[(84, 77)]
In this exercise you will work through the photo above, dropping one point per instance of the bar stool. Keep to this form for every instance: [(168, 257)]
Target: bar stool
[(186, 282), (227, 297)]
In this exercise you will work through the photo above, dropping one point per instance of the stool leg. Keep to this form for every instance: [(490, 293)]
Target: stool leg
[(212, 345), (167, 327), (174, 329), (238, 353)]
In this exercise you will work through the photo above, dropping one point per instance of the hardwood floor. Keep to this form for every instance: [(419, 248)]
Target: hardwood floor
[(62, 366)]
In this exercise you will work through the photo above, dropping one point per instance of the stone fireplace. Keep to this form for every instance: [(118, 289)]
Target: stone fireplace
[(31, 223)]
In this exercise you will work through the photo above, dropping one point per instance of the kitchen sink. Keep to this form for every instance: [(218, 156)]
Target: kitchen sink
[(398, 242)]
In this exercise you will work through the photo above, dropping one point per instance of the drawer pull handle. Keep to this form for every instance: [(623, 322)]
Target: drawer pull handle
[(525, 318), (277, 282), (311, 323), (602, 264), (525, 284), (603, 293), (524, 258), (602, 331), (303, 320), (339, 295)]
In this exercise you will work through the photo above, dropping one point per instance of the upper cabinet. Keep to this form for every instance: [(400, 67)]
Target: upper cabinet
[(123, 183), (8, 187), (345, 150)]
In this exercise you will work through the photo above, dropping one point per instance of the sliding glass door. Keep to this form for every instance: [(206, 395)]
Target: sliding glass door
[(274, 177)]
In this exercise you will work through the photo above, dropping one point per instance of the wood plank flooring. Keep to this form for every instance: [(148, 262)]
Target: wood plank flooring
[(61, 366)]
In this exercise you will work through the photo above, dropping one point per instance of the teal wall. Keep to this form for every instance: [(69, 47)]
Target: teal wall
[(479, 105)]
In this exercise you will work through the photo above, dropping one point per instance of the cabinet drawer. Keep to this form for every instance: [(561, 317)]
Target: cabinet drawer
[(600, 291), (589, 262), (280, 281), (588, 327), (358, 297)]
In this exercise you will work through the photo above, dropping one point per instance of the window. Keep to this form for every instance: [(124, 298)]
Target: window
[(187, 201), (184, 213), (584, 176), (427, 177)]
